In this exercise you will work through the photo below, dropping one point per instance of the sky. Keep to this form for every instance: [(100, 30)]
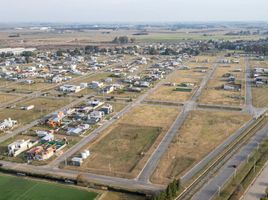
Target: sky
[(86, 11)]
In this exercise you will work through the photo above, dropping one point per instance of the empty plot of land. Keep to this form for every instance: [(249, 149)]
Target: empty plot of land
[(169, 93), (260, 96), (215, 94), (38, 84), (7, 97), (200, 134), (42, 107), (127, 145), (236, 70)]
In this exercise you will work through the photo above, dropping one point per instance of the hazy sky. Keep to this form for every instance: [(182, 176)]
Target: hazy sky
[(132, 10)]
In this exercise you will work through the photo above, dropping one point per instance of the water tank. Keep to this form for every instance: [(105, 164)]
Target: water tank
[(84, 155)]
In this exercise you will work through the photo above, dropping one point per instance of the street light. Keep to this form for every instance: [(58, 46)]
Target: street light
[(219, 190)]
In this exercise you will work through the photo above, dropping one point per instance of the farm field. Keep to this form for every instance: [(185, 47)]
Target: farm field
[(185, 35), (200, 134), (12, 187), (127, 144)]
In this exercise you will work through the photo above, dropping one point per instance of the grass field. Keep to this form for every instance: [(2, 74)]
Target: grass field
[(168, 93), (39, 84), (7, 97), (260, 96), (201, 133), (42, 107), (126, 145), (12, 188), (213, 94)]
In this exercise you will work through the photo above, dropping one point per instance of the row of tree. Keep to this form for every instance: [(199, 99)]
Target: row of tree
[(170, 192)]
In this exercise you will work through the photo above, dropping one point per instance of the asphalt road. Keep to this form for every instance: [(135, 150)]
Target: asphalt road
[(214, 186)]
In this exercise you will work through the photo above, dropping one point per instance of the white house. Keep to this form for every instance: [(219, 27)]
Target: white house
[(70, 88), (17, 147), (7, 124), (96, 84)]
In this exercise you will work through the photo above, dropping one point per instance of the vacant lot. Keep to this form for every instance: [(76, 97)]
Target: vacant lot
[(39, 84), (168, 93), (7, 97), (233, 69), (260, 96), (90, 78), (126, 145), (42, 107), (25, 189), (214, 94), (200, 134)]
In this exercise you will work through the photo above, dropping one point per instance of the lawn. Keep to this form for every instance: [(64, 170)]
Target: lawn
[(12, 188), (202, 132)]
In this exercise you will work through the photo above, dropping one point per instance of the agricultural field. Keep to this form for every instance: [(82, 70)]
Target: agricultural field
[(12, 187), (126, 145), (42, 107), (200, 134), (174, 36)]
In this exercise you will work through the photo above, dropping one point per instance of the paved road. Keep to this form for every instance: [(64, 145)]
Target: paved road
[(211, 189), (257, 189), (152, 163), (121, 183), (248, 95)]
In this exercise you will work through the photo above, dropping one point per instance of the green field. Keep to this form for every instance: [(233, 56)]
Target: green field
[(15, 188)]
